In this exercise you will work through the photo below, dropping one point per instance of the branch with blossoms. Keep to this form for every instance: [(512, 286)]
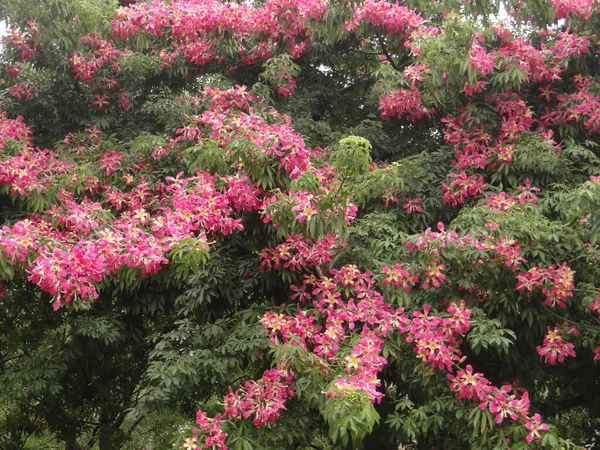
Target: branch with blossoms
[(95, 230), (297, 253), (344, 333), (557, 283)]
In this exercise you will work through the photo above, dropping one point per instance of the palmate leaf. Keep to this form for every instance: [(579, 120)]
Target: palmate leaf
[(350, 417)]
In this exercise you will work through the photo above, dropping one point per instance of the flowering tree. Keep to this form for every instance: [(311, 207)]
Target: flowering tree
[(309, 224)]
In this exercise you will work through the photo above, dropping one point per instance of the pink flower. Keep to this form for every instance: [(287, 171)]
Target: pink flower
[(469, 385), (479, 59), (555, 348), (403, 103), (100, 101), (433, 274), (535, 426), (463, 187), (399, 277), (412, 205)]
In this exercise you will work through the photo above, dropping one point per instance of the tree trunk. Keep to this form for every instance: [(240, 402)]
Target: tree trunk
[(72, 444)]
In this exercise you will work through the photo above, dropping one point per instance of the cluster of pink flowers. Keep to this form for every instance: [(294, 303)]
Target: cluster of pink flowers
[(479, 59), (26, 170), (478, 145), (506, 251), (415, 73), (124, 99), (231, 116), (102, 57), (197, 204), (580, 8), (516, 52), (24, 42), (394, 18), (462, 187), (362, 367), (286, 85), (400, 276), (317, 200), (472, 145), (469, 386), (403, 103), (103, 53), (214, 438), (580, 107), (516, 116), (31, 171), (398, 20), (110, 161), (544, 64), (14, 130), (557, 283), (76, 245), (507, 401), (242, 194), (555, 347), (23, 91), (304, 205), (264, 399), (193, 27), (345, 303), (12, 70), (17, 241), (510, 202), (436, 344), (433, 274), (69, 274), (567, 45), (434, 337), (68, 249), (68, 261), (527, 195), (297, 253), (502, 250)]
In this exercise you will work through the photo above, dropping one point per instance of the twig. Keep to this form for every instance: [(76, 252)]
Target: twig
[(386, 53), (14, 357), (319, 272)]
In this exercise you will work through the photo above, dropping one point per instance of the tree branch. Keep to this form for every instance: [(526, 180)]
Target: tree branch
[(92, 440), (135, 424), (386, 53), (14, 357)]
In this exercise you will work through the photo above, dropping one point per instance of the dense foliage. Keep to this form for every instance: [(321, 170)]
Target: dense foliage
[(307, 224)]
